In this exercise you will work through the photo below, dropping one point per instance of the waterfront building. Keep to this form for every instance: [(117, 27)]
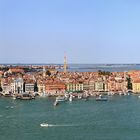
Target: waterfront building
[(136, 85), (85, 86), (99, 86), (92, 84), (17, 85), (5, 84), (105, 86), (41, 87), (111, 85), (29, 86), (117, 84), (6, 87), (75, 87), (121, 86), (55, 88)]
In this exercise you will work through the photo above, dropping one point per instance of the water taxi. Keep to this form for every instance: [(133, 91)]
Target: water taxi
[(70, 98), (101, 98), (44, 125), (55, 103), (25, 96), (60, 98)]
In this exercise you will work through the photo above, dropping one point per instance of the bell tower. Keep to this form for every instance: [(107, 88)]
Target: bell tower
[(65, 64), (44, 71)]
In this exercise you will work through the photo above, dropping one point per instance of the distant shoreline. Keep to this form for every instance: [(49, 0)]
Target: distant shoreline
[(106, 64)]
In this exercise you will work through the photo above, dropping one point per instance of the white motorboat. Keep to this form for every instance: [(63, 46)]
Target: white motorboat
[(14, 97), (55, 103), (60, 98), (66, 96), (79, 96), (110, 93), (44, 125), (70, 98), (101, 98)]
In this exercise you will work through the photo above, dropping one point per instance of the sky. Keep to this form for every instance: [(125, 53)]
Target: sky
[(86, 31)]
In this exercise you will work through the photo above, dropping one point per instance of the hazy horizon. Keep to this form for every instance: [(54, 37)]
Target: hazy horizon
[(70, 63)]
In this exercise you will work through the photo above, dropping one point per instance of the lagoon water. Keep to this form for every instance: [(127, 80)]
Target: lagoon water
[(103, 67), (116, 119)]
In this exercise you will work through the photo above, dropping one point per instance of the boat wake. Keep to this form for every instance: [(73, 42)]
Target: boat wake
[(57, 125), (8, 107), (62, 125)]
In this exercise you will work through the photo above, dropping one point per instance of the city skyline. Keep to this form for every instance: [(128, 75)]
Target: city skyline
[(89, 32)]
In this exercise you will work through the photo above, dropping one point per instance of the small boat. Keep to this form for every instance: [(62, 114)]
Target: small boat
[(44, 125), (101, 98), (25, 96), (60, 99), (14, 97), (70, 98), (66, 96), (110, 93), (7, 94), (122, 93), (55, 103), (79, 96), (86, 98), (128, 93)]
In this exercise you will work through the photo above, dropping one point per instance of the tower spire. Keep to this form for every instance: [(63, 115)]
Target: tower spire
[(44, 71), (65, 64)]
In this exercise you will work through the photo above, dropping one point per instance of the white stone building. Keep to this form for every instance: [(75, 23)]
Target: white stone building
[(17, 85)]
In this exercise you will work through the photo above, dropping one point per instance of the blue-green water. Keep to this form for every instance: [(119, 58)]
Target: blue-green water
[(116, 119)]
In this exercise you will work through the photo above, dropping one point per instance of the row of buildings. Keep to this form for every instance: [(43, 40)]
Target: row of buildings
[(55, 86), (61, 82), (55, 82)]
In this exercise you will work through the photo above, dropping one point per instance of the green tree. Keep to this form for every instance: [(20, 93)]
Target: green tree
[(24, 87), (129, 83), (100, 72), (35, 87), (1, 89)]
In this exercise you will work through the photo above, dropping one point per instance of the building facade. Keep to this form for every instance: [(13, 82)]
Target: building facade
[(75, 87), (17, 85), (54, 88), (29, 87), (136, 86)]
